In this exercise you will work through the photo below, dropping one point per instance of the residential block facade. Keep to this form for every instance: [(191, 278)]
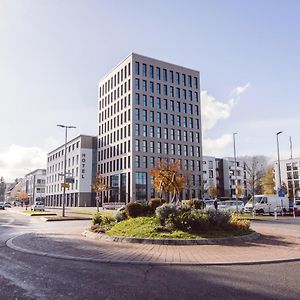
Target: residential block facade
[(149, 110)]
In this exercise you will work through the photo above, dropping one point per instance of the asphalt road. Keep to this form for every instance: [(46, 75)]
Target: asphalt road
[(26, 276)]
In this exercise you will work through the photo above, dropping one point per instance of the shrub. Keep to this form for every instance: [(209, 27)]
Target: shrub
[(121, 216), (238, 224), (154, 203), (193, 204), (108, 220), (218, 218), (97, 219), (188, 221), (98, 229), (164, 211), (134, 209)]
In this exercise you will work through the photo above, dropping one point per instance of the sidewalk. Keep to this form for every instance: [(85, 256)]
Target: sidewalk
[(275, 244)]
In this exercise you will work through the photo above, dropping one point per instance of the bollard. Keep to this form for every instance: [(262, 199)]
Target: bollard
[(275, 214)]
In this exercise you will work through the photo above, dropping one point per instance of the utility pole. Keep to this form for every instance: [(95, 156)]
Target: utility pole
[(293, 179), (235, 172), (65, 166), (278, 159)]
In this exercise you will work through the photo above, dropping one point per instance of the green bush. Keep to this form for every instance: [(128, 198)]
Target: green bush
[(154, 203), (121, 216), (189, 221), (218, 218), (164, 211), (97, 219), (134, 209)]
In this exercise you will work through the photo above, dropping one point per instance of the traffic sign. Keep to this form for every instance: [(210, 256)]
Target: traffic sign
[(65, 185), (281, 192)]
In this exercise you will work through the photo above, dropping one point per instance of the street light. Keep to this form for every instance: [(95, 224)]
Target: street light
[(293, 179), (278, 158), (235, 171), (33, 186), (65, 164)]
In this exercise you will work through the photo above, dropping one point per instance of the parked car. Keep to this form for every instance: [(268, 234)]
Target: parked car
[(230, 205), (2, 206), (38, 206), (7, 204), (297, 207), (209, 204)]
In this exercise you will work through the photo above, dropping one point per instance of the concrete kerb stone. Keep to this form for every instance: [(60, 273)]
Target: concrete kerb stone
[(10, 244), (179, 242)]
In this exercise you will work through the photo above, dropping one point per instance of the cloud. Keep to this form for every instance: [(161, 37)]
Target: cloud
[(18, 160), (215, 147), (214, 110)]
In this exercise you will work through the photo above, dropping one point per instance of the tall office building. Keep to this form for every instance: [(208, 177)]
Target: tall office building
[(149, 110)]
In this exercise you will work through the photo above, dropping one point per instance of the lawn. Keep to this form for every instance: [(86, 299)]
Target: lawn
[(38, 213), (145, 227), (91, 213)]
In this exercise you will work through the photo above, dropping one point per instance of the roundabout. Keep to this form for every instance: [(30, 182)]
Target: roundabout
[(266, 248)]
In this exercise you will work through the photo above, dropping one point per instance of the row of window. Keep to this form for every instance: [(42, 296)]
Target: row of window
[(145, 130), (115, 136), (114, 109), (60, 165), (165, 75), (163, 90), (112, 151), (61, 153), (115, 121), (55, 188), (163, 118), (166, 104), (115, 165), (167, 148), (115, 94), (115, 80), (56, 177)]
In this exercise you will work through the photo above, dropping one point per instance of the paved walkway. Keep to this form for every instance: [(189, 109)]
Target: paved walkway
[(277, 243)]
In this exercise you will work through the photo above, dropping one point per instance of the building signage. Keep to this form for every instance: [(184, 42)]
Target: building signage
[(83, 163)]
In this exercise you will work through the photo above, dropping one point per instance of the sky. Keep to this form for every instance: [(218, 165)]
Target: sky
[(53, 54)]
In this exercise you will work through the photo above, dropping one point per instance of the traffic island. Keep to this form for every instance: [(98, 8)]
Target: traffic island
[(38, 213)]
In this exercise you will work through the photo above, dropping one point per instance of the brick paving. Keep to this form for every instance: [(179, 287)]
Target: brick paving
[(276, 243)]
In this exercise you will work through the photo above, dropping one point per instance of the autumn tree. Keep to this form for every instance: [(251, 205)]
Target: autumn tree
[(168, 179), (239, 191), (100, 186), (268, 182), (212, 191)]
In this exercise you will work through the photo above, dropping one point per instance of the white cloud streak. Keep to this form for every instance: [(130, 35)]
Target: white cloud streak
[(213, 110)]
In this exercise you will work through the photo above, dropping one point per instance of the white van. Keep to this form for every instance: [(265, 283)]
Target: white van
[(267, 204)]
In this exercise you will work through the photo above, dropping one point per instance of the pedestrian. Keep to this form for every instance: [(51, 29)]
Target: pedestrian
[(216, 204)]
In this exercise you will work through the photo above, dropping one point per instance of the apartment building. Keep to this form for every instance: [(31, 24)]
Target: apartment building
[(81, 166), (35, 185), (289, 170), (149, 110)]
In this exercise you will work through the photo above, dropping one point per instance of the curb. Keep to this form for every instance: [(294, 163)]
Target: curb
[(180, 242), (9, 243), (45, 219)]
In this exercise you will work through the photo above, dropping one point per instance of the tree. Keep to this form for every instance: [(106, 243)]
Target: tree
[(212, 191), (239, 191), (100, 186), (268, 182), (254, 176), (168, 179)]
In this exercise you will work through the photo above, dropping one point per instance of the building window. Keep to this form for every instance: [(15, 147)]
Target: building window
[(137, 68), (189, 81), (195, 82), (166, 148), (145, 146), (137, 161), (144, 116), (158, 147), (152, 147), (172, 134), (173, 149), (171, 77), (144, 86), (171, 105), (171, 91), (178, 149), (158, 88), (178, 135), (137, 145), (141, 186), (137, 129), (183, 79), (137, 84), (151, 131), (165, 104), (159, 132), (164, 74), (165, 119), (157, 73), (151, 116), (158, 103), (178, 93), (151, 87), (165, 90), (144, 162), (144, 70), (165, 133), (158, 117), (137, 114), (144, 130), (151, 72), (151, 101), (144, 100)]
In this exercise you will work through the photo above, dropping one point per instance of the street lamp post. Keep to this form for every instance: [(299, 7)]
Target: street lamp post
[(278, 159), (235, 172), (293, 179), (65, 165)]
